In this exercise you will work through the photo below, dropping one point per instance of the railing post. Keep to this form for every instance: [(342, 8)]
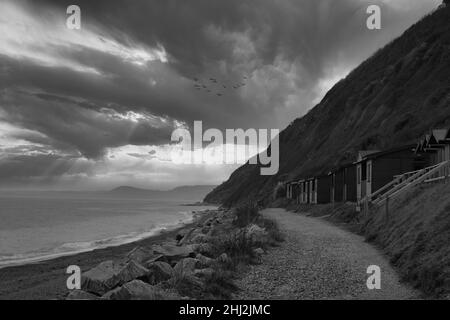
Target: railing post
[(387, 209)]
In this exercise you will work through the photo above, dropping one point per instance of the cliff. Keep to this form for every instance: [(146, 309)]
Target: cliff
[(389, 100)]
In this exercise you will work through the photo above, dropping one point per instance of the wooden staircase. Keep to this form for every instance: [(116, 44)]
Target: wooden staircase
[(404, 182)]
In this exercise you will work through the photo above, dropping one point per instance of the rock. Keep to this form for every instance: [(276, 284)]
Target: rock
[(132, 270), (186, 237), (134, 290), (256, 234), (204, 248), (81, 295), (101, 278), (205, 230), (224, 259), (107, 275), (200, 238), (204, 261), (204, 273), (186, 266), (181, 234), (172, 253), (140, 254), (158, 272)]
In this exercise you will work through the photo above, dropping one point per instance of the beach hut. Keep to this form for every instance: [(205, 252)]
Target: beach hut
[(322, 189), (294, 187), (288, 187), (435, 149), (349, 178), (337, 185), (312, 196), (375, 169), (302, 192)]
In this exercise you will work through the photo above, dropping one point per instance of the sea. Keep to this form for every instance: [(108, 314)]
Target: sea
[(37, 226)]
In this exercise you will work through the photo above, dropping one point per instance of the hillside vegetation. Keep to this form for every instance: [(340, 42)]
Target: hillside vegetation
[(389, 100), (415, 235)]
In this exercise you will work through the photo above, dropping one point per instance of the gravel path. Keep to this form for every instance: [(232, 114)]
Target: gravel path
[(319, 261)]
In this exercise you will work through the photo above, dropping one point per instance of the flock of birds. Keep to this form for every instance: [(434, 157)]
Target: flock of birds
[(215, 87)]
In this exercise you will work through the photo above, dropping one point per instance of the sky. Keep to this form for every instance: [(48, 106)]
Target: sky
[(95, 108)]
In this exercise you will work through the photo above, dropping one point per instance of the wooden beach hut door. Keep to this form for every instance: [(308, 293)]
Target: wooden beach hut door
[(358, 182), (369, 177)]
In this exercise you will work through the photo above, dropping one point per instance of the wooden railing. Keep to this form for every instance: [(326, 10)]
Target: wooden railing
[(402, 183)]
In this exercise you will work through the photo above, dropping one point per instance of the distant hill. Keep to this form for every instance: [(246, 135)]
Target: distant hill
[(183, 193), (389, 100)]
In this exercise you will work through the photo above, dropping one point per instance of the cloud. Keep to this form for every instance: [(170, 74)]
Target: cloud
[(127, 77)]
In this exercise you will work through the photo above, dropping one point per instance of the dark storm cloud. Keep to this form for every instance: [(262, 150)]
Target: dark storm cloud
[(68, 125), (80, 97)]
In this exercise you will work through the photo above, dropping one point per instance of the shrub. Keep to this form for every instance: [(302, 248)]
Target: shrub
[(245, 214)]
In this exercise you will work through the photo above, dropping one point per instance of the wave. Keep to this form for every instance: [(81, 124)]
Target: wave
[(72, 248)]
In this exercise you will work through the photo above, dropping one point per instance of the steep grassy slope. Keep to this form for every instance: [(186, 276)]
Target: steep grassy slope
[(416, 237), (389, 100)]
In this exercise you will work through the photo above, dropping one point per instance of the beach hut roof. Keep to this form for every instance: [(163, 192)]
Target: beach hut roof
[(440, 134), (389, 151), (364, 153)]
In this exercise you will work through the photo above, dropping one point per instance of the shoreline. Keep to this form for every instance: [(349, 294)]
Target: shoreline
[(144, 235), (47, 279)]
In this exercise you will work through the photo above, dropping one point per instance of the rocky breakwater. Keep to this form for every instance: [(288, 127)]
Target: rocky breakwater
[(157, 272)]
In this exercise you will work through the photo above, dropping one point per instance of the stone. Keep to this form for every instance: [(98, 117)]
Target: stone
[(186, 237), (172, 253), (108, 275), (81, 295), (205, 229), (204, 248), (158, 272), (181, 234), (186, 266), (204, 261), (130, 271), (140, 254), (134, 290), (200, 238), (204, 273), (101, 278)]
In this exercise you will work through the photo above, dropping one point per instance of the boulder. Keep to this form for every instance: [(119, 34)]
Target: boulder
[(108, 275), (158, 272), (204, 261), (186, 237), (140, 254), (200, 238), (134, 290), (81, 295), (172, 253), (204, 273), (101, 278), (186, 266), (130, 271), (181, 234), (204, 248)]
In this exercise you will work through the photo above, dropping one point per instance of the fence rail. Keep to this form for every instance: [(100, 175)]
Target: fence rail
[(404, 182)]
